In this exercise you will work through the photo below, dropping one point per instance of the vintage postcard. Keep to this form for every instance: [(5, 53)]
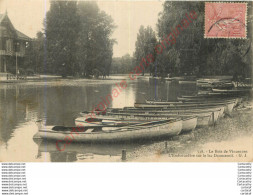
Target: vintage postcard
[(126, 81)]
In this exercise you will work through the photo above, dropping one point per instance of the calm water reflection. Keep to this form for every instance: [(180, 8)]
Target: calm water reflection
[(59, 103)]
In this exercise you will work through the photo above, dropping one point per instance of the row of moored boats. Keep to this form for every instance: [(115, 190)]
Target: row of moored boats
[(149, 120)]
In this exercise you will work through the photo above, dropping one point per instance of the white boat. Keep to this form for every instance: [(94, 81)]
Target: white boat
[(209, 98), (190, 120), (187, 82), (127, 133), (231, 91), (189, 123), (112, 120), (193, 111), (199, 101), (200, 119), (228, 106)]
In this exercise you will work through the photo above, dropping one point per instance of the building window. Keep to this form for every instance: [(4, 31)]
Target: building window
[(27, 44), (2, 44), (9, 45), (17, 47)]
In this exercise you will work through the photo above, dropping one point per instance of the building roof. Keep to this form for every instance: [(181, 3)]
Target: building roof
[(19, 34), (23, 36)]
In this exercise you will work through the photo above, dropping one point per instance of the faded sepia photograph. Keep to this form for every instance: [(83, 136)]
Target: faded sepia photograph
[(126, 81)]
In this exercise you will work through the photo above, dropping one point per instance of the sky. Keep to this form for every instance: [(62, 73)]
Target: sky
[(27, 16)]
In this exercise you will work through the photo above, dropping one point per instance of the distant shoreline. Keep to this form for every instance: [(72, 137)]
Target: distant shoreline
[(36, 78)]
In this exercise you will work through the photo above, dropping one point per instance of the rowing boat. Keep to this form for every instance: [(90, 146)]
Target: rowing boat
[(228, 106), (202, 119), (214, 82), (147, 130), (187, 82), (182, 104), (192, 111), (164, 102), (207, 96), (189, 122), (110, 120), (207, 99), (231, 91), (200, 101), (102, 120)]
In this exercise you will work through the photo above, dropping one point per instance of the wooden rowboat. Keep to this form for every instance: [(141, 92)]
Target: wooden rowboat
[(110, 120), (187, 82), (183, 104), (192, 111), (200, 101), (128, 133), (185, 99), (204, 118), (189, 122), (229, 91), (105, 120), (204, 98), (164, 102), (228, 106)]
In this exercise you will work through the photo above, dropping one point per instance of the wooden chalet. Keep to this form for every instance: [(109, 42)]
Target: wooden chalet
[(13, 45)]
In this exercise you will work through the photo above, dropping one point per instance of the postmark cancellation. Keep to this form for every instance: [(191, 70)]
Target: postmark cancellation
[(225, 20)]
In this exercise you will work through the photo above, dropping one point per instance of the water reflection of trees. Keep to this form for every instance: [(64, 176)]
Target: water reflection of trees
[(63, 104), (157, 88), (56, 104), (17, 104)]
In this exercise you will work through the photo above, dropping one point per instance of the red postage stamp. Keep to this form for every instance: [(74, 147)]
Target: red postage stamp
[(225, 20)]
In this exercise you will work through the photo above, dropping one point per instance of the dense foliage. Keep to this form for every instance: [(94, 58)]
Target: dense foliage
[(194, 54), (122, 65), (34, 60), (145, 45), (95, 47), (76, 42)]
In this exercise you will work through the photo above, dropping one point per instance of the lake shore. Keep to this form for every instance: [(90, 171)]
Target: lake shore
[(231, 140), (52, 78)]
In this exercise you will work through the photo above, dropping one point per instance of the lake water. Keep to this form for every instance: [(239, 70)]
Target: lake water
[(59, 102)]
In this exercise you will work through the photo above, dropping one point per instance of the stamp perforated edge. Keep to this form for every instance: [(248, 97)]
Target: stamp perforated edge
[(246, 22)]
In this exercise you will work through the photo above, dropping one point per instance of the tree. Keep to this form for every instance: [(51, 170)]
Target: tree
[(62, 26), (145, 45), (34, 60), (116, 67), (162, 65), (126, 63), (95, 47), (122, 65), (187, 43), (39, 57)]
